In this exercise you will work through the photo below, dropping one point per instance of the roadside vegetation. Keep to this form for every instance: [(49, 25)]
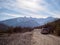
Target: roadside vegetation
[(54, 27), (11, 30)]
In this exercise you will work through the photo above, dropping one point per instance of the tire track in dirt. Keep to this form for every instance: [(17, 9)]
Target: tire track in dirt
[(40, 39)]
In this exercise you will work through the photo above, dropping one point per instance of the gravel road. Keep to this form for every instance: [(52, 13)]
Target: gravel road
[(29, 38), (40, 39)]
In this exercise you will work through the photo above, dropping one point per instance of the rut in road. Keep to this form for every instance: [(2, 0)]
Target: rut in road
[(40, 39)]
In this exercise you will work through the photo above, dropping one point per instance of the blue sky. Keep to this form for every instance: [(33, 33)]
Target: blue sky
[(29, 8)]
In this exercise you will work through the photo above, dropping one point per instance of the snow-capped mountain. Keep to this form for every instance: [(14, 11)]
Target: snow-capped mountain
[(28, 22)]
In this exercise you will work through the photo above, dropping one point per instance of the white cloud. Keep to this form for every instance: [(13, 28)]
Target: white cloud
[(57, 16), (12, 15), (31, 5), (37, 16)]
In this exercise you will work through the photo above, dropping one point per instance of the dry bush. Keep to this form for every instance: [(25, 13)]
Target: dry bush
[(54, 27), (19, 29)]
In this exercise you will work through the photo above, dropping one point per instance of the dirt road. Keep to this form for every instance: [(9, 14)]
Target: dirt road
[(29, 38), (40, 39)]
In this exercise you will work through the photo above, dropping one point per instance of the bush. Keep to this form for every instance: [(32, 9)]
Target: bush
[(54, 27), (18, 29), (57, 30)]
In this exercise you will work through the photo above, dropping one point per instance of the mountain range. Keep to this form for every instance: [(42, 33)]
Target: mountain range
[(27, 22)]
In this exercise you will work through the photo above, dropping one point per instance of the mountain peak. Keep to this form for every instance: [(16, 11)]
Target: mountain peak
[(27, 22)]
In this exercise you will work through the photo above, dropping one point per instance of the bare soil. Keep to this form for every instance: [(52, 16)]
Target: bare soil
[(29, 38)]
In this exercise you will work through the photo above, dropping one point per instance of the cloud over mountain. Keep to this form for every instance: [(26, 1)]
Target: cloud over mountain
[(33, 8)]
